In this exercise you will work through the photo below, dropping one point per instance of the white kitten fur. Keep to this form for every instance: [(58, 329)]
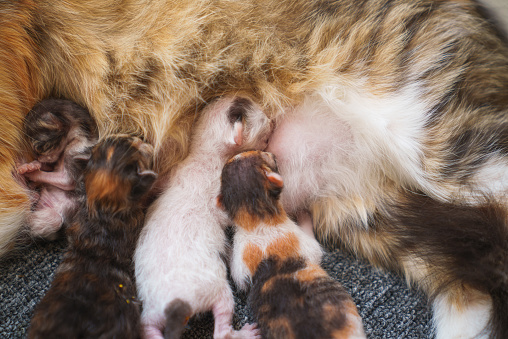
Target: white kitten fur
[(179, 250)]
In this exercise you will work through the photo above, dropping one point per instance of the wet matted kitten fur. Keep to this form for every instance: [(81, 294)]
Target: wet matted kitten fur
[(61, 135), (390, 117), (93, 294)]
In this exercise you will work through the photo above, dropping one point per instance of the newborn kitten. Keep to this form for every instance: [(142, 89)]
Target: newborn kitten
[(290, 294), (93, 294), (61, 134), (181, 248)]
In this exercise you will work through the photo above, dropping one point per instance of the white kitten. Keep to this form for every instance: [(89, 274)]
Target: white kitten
[(179, 253)]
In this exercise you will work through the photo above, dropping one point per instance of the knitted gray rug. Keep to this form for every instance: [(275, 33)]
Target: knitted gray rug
[(388, 307)]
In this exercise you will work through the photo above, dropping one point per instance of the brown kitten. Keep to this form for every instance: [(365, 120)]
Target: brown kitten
[(290, 294), (61, 134), (93, 294)]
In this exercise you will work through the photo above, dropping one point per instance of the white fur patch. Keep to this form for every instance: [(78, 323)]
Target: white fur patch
[(464, 321), (340, 146), (178, 254), (492, 178)]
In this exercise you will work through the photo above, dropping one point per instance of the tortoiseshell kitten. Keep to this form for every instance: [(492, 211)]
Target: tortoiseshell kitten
[(61, 134), (375, 104), (93, 294), (290, 294)]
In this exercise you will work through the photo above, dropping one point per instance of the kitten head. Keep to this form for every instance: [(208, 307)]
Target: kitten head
[(251, 187), (46, 128), (232, 124), (119, 172), (49, 123), (252, 127)]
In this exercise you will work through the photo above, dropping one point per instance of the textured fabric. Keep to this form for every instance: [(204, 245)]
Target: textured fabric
[(388, 308)]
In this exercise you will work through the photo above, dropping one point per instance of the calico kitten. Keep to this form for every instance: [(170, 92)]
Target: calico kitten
[(61, 134), (180, 253), (290, 294), (388, 100), (93, 294)]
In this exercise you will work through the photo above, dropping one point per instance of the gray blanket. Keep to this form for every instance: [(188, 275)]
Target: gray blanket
[(388, 307)]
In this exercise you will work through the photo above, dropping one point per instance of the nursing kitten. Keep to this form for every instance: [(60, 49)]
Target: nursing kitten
[(61, 134), (180, 253), (290, 294), (389, 101), (93, 294)]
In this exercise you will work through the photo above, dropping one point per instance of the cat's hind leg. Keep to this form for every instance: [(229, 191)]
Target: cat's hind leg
[(50, 212), (152, 332), (459, 256), (462, 313), (44, 223)]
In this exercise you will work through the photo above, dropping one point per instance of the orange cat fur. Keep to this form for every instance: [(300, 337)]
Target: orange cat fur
[(417, 88)]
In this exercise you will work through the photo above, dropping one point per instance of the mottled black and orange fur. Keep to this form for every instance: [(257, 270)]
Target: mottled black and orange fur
[(292, 299), (148, 67), (93, 294), (290, 294)]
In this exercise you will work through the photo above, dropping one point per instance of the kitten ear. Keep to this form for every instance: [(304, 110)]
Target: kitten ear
[(219, 203), (274, 178), (81, 160), (145, 182), (83, 157), (147, 176), (237, 133)]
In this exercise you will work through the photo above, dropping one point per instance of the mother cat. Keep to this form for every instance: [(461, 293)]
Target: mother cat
[(408, 99)]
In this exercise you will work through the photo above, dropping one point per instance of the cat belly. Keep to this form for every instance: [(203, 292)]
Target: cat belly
[(337, 150), (50, 212)]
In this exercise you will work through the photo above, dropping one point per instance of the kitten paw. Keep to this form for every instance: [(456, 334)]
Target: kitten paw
[(248, 331), (29, 167)]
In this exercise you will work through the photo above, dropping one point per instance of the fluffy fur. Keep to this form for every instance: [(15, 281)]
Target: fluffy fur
[(93, 294), (291, 296), (61, 134), (418, 91), (180, 254)]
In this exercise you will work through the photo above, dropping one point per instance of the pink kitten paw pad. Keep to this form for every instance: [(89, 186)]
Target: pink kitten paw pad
[(30, 167), (249, 331)]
